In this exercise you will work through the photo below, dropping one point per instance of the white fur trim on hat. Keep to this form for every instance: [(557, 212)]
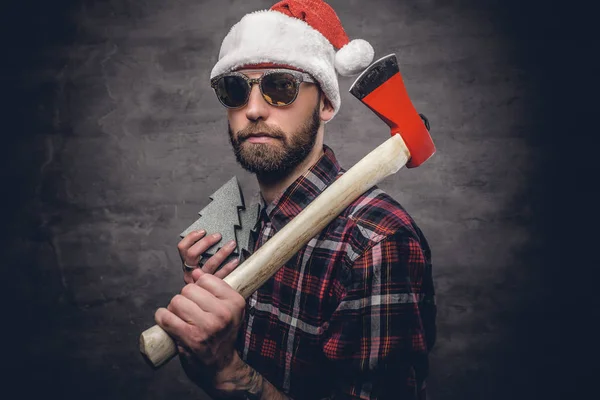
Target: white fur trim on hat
[(273, 37), (354, 57)]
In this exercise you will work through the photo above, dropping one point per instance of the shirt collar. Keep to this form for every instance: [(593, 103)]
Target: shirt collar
[(302, 191)]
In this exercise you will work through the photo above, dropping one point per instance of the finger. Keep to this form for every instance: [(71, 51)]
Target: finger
[(202, 299), (194, 253), (211, 265), (225, 293), (184, 246), (187, 275), (186, 309), (177, 328), (189, 239), (196, 274), (220, 289), (227, 268), (170, 322)]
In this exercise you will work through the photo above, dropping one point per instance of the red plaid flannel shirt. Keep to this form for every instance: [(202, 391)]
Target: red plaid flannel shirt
[(352, 314)]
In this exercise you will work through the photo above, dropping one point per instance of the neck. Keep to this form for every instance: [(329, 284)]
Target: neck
[(271, 187)]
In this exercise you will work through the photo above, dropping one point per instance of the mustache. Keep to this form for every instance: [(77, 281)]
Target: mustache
[(259, 129)]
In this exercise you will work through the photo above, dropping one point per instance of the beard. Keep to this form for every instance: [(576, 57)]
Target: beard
[(275, 160)]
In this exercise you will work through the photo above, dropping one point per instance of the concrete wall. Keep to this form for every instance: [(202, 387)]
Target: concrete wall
[(113, 141)]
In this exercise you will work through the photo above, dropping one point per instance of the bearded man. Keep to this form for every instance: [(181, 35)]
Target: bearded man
[(352, 314)]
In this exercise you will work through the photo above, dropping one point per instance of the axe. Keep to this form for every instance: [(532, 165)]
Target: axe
[(381, 88)]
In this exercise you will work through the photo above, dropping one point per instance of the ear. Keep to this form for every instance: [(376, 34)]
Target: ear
[(326, 108)]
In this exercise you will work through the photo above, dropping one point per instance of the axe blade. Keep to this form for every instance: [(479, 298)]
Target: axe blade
[(380, 87)]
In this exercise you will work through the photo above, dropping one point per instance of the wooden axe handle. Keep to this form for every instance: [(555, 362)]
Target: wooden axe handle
[(158, 347)]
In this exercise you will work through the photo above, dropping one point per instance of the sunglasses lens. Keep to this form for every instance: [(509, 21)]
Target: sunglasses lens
[(279, 89), (232, 91)]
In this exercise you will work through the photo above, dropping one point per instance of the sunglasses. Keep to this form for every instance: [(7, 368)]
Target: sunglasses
[(279, 87)]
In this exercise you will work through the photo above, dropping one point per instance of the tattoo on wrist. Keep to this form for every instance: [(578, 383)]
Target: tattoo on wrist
[(244, 383), (255, 384)]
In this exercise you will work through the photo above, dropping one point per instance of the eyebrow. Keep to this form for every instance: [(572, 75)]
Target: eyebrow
[(304, 74)]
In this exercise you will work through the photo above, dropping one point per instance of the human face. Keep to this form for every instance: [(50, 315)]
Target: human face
[(272, 141)]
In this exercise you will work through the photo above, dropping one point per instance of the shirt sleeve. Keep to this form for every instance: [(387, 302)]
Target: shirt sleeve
[(379, 335)]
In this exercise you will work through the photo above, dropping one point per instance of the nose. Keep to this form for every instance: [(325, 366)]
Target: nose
[(256, 108)]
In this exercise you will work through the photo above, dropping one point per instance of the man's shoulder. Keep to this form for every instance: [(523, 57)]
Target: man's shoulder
[(379, 210), (375, 216)]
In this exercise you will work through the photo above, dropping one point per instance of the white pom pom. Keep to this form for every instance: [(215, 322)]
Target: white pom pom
[(354, 57)]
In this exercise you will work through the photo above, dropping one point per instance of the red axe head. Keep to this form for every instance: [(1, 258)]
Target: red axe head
[(381, 88)]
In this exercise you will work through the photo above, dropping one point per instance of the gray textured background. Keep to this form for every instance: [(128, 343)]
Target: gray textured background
[(113, 140)]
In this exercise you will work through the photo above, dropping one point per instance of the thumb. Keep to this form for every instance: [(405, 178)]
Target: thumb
[(197, 273)]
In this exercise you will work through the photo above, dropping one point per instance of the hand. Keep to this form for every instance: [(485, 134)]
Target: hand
[(194, 244), (204, 321)]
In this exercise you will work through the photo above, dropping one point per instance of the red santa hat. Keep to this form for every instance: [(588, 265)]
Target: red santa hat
[(303, 34)]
